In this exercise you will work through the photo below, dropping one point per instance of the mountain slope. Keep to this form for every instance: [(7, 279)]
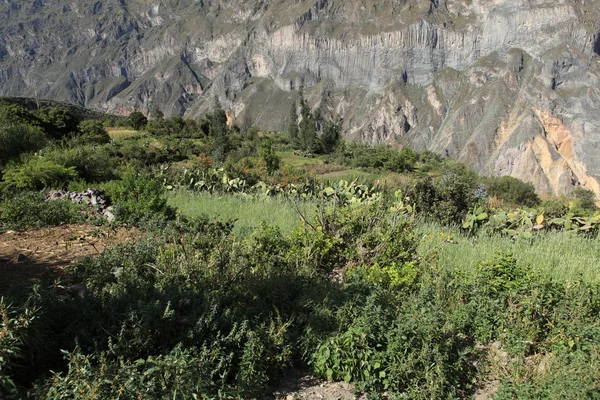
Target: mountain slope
[(510, 87)]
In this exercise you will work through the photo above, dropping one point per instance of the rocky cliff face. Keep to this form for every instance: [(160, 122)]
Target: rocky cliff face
[(510, 87)]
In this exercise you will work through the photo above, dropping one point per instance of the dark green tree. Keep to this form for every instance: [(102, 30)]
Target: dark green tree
[(17, 114), (586, 199), (93, 132), (512, 190), (58, 122), (308, 132), (137, 120), (19, 138), (271, 159), (293, 130), (331, 136)]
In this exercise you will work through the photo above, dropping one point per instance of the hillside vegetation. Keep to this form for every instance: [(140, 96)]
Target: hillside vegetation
[(418, 280)]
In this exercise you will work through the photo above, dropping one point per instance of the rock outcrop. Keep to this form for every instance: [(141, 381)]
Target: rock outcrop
[(507, 86)]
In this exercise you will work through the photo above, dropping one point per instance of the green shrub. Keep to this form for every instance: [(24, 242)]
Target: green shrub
[(271, 159), (586, 199), (37, 173), (92, 163), (19, 138), (179, 374), (138, 196), (449, 198), (91, 132), (58, 122), (14, 324), (137, 120), (512, 191), (554, 209), (31, 210)]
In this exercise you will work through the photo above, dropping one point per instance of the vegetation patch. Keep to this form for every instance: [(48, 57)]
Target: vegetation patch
[(420, 279)]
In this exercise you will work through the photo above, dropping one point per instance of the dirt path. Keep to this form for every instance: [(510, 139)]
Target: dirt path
[(27, 256), (297, 385)]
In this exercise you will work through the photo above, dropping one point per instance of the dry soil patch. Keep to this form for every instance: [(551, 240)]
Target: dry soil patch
[(27, 256)]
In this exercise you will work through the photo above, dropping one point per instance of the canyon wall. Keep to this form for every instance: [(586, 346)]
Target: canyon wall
[(509, 87)]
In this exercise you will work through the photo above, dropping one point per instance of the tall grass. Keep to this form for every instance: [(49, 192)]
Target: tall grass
[(561, 255), (248, 211)]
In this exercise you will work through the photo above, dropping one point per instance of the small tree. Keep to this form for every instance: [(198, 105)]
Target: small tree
[(58, 122), (93, 132), (19, 138), (586, 199), (308, 133), (512, 190), (331, 135), (219, 131), (272, 160), (137, 120), (293, 130)]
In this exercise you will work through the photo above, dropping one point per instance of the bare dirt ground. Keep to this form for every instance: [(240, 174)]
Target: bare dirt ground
[(300, 386), (28, 256)]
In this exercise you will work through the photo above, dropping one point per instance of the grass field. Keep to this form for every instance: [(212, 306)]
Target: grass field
[(289, 158), (561, 255), (248, 211), (119, 133)]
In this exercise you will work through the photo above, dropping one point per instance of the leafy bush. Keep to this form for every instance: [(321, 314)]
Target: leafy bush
[(180, 374), (512, 190), (586, 199), (58, 122), (271, 159), (14, 324), (92, 132), (137, 120), (31, 210), (37, 173), (137, 196), (92, 163), (19, 138), (554, 209), (449, 198)]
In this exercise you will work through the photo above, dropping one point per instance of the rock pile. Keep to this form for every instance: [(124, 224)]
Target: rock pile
[(93, 198)]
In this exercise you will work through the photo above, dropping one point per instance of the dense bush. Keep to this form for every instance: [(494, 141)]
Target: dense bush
[(58, 122), (586, 199), (512, 191), (37, 173), (31, 210), (19, 138), (92, 163), (92, 132), (14, 326), (382, 157), (137, 120), (138, 196), (448, 198)]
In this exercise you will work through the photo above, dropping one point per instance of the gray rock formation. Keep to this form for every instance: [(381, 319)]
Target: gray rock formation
[(510, 87)]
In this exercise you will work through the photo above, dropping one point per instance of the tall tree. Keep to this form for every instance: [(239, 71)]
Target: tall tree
[(293, 130), (308, 132), (331, 135), (219, 131), (271, 159)]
